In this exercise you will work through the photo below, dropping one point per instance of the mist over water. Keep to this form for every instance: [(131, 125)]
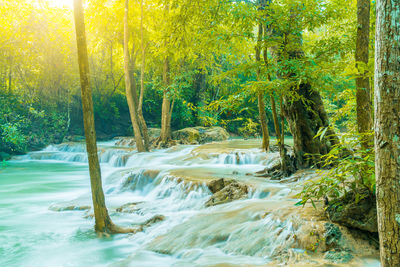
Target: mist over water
[(45, 221)]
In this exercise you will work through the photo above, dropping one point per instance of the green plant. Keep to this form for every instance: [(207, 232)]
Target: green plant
[(351, 169)]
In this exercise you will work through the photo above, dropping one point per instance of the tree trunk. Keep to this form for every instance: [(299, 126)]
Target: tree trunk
[(263, 121), (306, 115), (103, 223), (387, 129), (129, 95), (166, 105), (260, 94), (364, 118), (142, 122)]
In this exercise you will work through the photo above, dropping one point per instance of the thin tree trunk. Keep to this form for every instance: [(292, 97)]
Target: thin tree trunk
[(387, 129), (260, 94), (263, 121), (10, 77), (166, 105), (142, 122), (129, 96), (364, 118), (103, 223)]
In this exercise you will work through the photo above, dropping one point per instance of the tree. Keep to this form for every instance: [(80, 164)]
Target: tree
[(103, 223), (142, 122), (387, 129), (364, 118), (260, 93), (130, 96)]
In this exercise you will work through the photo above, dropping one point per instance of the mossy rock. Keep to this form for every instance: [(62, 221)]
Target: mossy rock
[(4, 156)]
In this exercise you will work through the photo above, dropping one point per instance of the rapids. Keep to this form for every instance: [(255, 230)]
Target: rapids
[(45, 216)]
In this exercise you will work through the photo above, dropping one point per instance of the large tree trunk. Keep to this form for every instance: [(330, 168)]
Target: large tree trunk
[(387, 129), (260, 93), (364, 118), (103, 223), (306, 115), (129, 95), (142, 122)]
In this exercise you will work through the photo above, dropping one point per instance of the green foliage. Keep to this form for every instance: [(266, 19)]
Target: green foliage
[(351, 169), (250, 129)]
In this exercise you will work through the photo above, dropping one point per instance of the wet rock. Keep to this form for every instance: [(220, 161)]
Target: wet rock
[(69, 208), (200, 135), (359, 215), (74, 138), (333, 236), (129, 207), (216, 185), (232, 191), (154, 132), (125, 141), (4, 156), (338, 256)]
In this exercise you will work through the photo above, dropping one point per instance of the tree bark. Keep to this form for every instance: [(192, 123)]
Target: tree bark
[(306, 115), (364, 118), (142, 122), (103, 223), (387, 129), (129, 95), (166, 106), (260, 94)]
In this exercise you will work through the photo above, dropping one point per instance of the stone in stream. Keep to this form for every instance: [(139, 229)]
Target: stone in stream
[(129, 207), (200, 135), (359, 214), (225, 191), (69, 208), (4, 156)]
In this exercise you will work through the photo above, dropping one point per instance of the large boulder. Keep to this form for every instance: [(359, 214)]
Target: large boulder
[(200, 135), (353, 212), (4, 156), (226, 191)]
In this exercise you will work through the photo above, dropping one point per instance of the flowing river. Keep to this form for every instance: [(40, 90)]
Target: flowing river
[(46, 219)]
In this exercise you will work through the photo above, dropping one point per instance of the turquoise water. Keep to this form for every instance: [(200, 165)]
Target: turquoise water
[(38, 227), (33, 235)]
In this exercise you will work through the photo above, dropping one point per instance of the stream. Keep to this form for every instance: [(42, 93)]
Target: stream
[(46, 220)]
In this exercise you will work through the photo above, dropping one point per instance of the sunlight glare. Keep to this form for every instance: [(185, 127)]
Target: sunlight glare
[(62, 3)]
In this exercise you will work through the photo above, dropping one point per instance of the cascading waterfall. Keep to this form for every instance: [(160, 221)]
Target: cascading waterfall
[(167, 183)]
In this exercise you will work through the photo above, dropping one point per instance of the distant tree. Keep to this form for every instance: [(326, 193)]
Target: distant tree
[(131, 96)]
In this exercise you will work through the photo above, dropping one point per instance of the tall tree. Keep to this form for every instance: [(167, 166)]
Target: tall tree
[(103, 223), (129, 95), (142, 122), (387, 129), (364, 118), (167, 106), (260, 93)]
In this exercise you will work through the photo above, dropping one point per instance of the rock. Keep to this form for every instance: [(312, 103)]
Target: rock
[(333, 236), (69, 208), (128, 207), (74, 138), (154, 132), (359, 215), (200, 135), (216, 185), (125, 141), (4, 156), (230, 192), (338, 256)]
